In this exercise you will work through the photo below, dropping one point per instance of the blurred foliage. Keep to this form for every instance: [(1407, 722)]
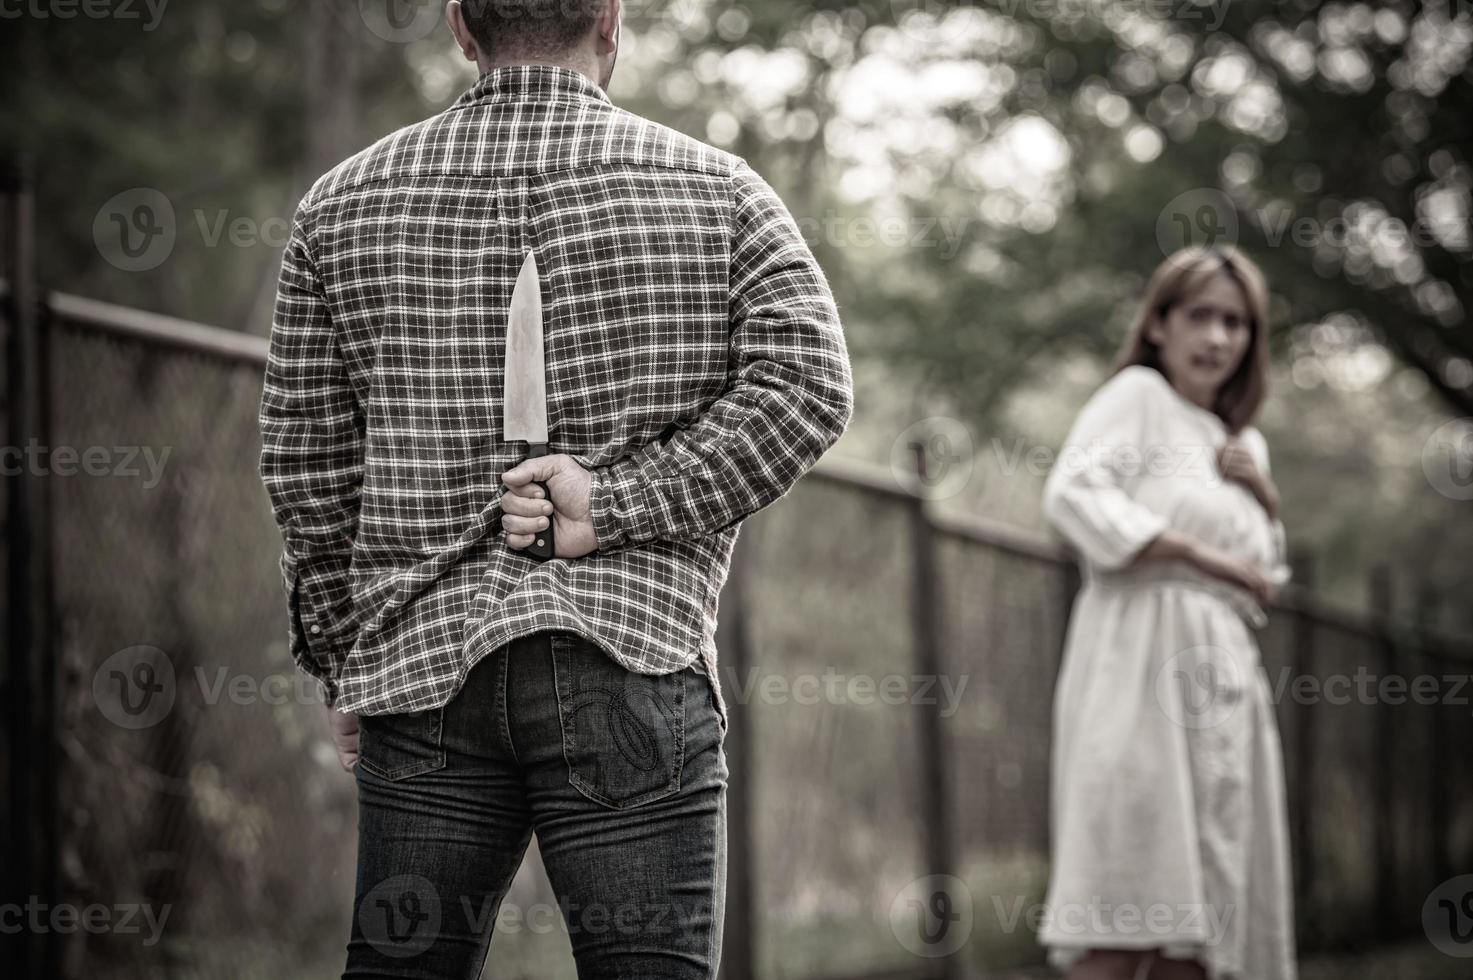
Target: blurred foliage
[(987, 182)]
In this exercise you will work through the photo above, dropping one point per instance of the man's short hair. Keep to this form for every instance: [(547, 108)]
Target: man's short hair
[(529, 26)]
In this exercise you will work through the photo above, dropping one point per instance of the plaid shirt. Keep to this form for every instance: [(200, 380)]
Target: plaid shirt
[(695, 365)]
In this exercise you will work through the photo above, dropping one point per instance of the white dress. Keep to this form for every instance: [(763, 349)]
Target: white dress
[(1168, 820)]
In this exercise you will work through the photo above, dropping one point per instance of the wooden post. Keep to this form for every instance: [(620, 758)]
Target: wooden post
[(1439, 801), (1384, 761), (931, 735), (1304, 665), (739, 934), (29, 697)]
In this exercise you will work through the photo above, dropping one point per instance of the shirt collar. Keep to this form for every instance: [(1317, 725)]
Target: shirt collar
[(531, 83)]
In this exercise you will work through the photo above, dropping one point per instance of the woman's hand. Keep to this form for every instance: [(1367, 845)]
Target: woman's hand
[(1235, 462), (1236, 571)]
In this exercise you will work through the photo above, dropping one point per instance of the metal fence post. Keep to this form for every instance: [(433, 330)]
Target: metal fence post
[(1384, 789), (29, 697), (926, 629), (739, 942), (1304, 665), (1439, 801)]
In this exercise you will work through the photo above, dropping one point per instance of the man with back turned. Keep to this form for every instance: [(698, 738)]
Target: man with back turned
[(695, 369)]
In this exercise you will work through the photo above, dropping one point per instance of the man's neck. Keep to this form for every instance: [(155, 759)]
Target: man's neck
[(584, 68)]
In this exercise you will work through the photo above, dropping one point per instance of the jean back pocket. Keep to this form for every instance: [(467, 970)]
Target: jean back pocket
[(623, 732)]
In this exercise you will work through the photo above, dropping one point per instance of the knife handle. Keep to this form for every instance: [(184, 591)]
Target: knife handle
[(542, 546)]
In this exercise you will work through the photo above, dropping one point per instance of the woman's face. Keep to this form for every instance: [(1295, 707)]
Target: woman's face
[(1203, 338)]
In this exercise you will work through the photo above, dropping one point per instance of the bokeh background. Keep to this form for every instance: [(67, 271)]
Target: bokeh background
[(986, 185)]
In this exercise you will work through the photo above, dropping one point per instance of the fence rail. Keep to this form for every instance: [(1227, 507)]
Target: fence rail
[(236, 793)]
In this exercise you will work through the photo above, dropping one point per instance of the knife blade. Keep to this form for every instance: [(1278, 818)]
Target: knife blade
[(524, 404)]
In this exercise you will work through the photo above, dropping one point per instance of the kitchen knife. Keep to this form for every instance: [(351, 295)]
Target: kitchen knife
[(524, 408)]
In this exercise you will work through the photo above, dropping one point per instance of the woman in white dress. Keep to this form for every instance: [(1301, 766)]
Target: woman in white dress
[(1168, 824)]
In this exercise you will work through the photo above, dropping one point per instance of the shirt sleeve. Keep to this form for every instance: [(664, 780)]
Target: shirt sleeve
[(312, 447), (1084, 497), (789, 395)]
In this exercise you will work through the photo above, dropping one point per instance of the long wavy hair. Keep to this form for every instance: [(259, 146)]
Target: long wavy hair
[(1177, 280)]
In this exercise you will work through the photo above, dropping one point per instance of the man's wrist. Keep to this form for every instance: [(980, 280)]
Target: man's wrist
[(600, 509), (617, 506)]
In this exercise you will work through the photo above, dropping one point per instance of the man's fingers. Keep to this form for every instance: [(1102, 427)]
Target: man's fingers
[(530, 471), (523, 506), (529, 491), (519, 541), (523, 525)]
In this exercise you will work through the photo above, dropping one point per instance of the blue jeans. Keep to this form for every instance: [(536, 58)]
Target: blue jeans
[(622, 776)]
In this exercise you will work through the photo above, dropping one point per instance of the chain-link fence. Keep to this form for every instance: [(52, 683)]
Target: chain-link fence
[(890, 674)]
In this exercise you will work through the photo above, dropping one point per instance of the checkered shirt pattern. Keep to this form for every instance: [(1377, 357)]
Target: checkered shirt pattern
[(695, 365)]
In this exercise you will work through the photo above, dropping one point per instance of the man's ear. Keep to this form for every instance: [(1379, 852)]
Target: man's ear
[(463, 39), (608, 26)]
